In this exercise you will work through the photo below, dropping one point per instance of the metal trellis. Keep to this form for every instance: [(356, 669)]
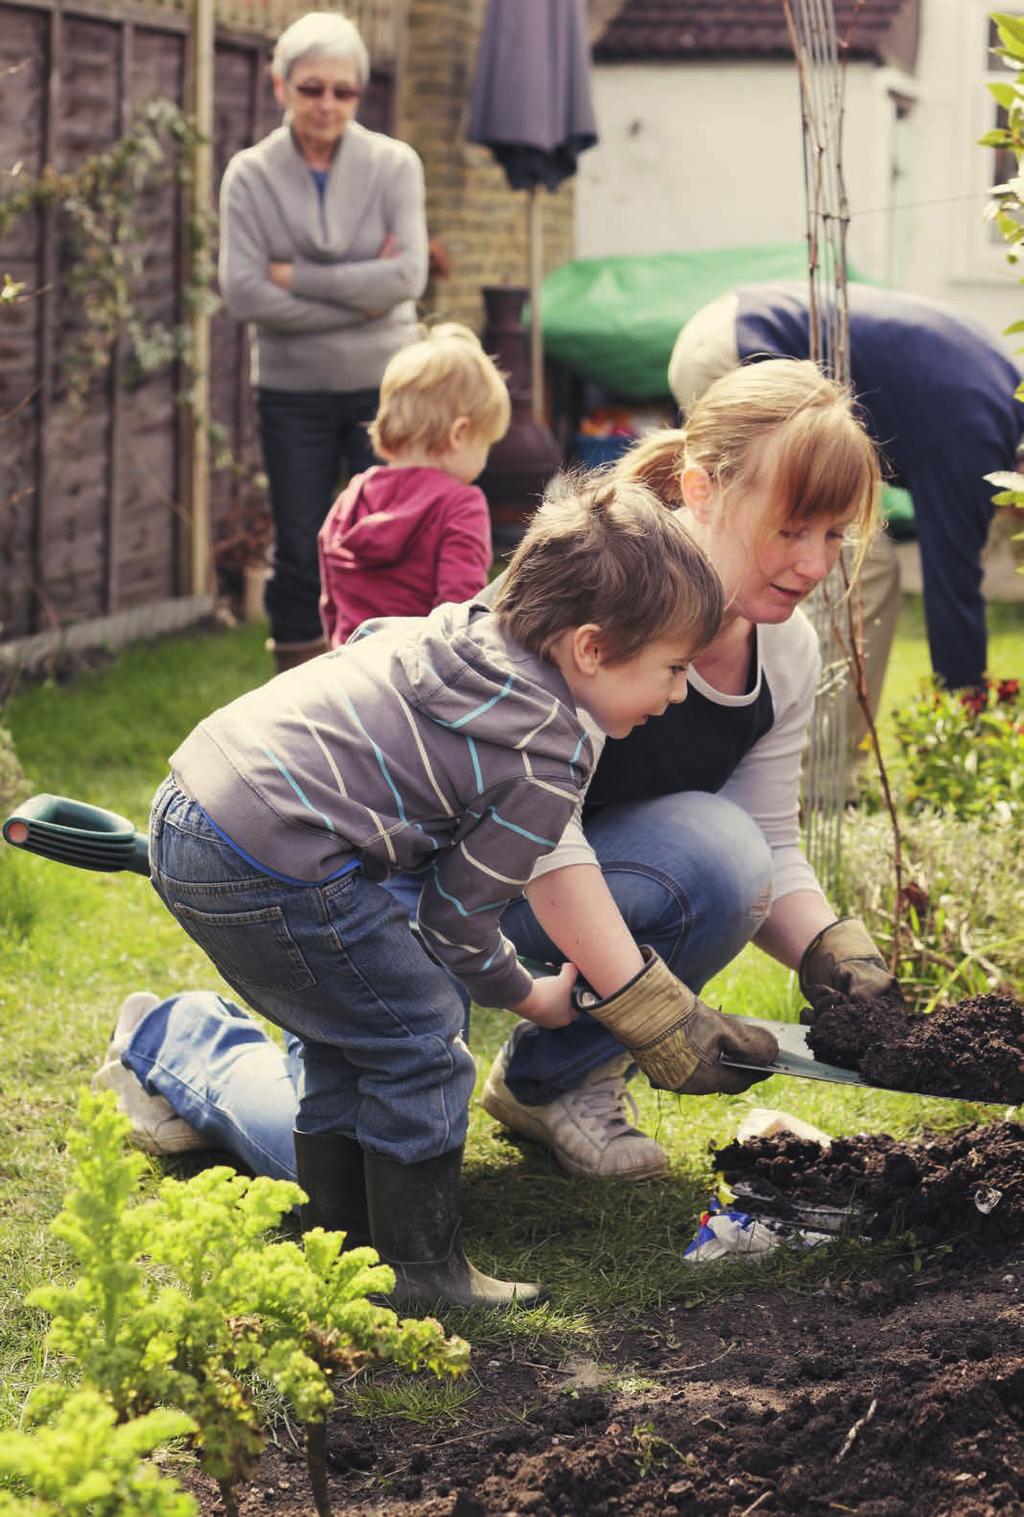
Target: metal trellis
[(822, 80)]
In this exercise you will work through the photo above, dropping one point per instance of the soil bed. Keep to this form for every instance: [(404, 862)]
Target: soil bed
[(973, 1049), (898, 1395)]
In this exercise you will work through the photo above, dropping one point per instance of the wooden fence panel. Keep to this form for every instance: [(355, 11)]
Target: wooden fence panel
[(77, 432), (244, 110), (150, 474), (23, 36), (92, 495)]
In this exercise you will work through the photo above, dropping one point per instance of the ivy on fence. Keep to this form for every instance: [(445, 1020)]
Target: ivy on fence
[(102, 201)]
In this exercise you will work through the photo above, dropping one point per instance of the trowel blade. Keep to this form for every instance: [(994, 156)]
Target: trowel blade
[(794, 1057)]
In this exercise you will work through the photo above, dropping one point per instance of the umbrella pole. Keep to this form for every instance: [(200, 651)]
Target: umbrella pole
[(536, 333)]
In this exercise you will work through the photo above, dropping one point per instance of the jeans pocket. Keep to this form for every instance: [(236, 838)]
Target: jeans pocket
[(248, 947)]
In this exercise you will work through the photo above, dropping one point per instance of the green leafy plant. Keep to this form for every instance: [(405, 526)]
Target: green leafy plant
[(1006, 208), (962, 912), (653, 1451), (99, 204), (84, 1464), (184, 1297), (963, 751)]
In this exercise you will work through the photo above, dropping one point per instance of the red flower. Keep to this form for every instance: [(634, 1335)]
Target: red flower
[(974, 700), (1008, 690)]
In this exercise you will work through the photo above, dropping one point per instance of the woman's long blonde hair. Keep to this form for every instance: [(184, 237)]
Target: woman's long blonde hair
[(782, 416)]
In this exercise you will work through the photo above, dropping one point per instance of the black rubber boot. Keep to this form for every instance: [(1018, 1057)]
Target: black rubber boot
[(414, 1222), (330, 1170)]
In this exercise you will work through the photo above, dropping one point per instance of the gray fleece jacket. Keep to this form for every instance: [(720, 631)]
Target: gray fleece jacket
[(432, 744), (348, 311)]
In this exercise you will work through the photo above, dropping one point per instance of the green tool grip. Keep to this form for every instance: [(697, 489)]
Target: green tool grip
[(72, 832)]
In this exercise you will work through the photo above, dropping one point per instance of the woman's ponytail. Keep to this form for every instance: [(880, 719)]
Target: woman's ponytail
[(657, 462)]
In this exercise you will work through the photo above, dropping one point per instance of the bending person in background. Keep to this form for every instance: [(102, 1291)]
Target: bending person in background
[(324, 250), (937, 394), (690, 839)]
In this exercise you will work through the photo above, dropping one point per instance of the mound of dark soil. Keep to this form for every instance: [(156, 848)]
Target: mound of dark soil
[(896, 1395), (967, 1187), (973, 1049)]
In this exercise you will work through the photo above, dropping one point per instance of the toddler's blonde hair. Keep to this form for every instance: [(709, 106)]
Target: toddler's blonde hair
[(429, 385)]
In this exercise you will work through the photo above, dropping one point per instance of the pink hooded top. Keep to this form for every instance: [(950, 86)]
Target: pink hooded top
[(398, 542)]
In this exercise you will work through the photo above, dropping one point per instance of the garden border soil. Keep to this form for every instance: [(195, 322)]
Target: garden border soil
[(896, 1395)]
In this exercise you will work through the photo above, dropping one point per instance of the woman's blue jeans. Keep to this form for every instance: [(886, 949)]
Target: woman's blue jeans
[(691, 875), (379, 1024), (309, 438)]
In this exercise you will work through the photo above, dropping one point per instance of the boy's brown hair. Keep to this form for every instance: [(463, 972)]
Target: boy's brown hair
[(429, 385), (606, 551)]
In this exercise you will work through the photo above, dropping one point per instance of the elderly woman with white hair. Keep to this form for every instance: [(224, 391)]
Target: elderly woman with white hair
[(324, 250)]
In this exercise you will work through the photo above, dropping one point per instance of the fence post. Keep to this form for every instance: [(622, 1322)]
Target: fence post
[(41, 612), (200, 105)]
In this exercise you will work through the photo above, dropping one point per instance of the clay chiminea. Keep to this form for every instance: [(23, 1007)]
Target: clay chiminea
[(521, 464)]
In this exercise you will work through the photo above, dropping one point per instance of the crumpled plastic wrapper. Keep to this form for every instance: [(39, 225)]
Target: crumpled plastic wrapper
[(725, 1232)]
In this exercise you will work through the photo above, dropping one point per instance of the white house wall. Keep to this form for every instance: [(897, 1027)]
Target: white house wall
[(704, 155), (709, 155)]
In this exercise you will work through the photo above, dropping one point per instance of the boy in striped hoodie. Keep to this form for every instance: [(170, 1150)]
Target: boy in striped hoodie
[(453, 746)]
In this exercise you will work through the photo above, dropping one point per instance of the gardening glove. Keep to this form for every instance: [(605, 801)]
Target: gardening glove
[(678, 1041), (842, 957)]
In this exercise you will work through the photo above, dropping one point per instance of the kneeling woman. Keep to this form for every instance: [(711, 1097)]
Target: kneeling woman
[(692, 820)]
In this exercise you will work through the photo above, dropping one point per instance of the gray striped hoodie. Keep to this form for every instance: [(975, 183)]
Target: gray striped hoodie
[(437, 745)]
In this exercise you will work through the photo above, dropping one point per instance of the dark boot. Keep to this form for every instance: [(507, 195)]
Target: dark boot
[(414, 1221), (291, 655), (330, 1171)]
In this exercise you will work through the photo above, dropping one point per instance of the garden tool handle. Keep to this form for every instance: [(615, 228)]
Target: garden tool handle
[(73, 832)]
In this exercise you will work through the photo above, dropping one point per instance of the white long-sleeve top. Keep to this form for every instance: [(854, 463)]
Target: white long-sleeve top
[(765, 782)]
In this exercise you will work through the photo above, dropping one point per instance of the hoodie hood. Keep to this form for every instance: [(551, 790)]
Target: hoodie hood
[(376, 524), (462, 671)]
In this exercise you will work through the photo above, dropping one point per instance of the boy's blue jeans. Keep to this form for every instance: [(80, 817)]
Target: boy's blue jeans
[(691, 875), (380, 1053)]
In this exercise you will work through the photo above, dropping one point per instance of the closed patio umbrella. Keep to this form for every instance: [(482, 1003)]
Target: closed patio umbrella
[(531, 106)]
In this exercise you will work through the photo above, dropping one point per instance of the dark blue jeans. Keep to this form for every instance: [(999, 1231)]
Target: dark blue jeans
[(309, 439), (380, 1053)]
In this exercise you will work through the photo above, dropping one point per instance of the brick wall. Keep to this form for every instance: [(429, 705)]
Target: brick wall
[(470, 208)]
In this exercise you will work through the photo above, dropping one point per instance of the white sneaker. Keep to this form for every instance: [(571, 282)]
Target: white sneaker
[(156, 1126), (586, 1129)]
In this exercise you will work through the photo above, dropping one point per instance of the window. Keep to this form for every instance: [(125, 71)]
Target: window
[(980, 254), (1003, 162)]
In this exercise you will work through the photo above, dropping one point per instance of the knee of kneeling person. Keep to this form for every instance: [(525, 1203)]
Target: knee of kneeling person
[(720, 845)]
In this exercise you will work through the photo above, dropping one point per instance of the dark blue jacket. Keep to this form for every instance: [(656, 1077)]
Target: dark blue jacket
[(937, 393)]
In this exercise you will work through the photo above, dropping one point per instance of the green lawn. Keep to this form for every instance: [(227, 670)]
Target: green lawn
[(73, 944)]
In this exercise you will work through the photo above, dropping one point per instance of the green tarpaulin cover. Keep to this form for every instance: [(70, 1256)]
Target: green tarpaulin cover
[(615, 320)]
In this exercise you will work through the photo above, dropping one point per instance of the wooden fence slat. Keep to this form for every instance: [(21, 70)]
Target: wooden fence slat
[(47, 324), (116, 377), (201, 107)]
